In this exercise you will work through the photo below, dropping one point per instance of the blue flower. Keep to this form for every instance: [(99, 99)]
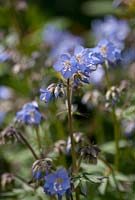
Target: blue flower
[(81, 63), (92, 59), (97, 75), (46, 95), (52, 34), (4, 55), (37, 175), (29, 114), (107, 51), (128, 56), (2, 116), (78, 58), (81, 77), (66, 45), (57, 183), (66, 66), (5, 92), (111, 29)]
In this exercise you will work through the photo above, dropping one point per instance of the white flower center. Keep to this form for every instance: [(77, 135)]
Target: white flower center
[(57, 185)]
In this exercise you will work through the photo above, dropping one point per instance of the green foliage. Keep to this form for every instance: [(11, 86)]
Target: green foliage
[(129, 113)]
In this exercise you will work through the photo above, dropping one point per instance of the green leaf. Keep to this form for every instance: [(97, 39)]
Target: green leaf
[(83, 188), (93, 178), (102, 188), (129, 113), (109, 147), (112, 181), (94, 169), (122, 177), (77, 182)]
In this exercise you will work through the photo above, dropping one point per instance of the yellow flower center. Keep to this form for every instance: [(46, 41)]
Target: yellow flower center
[(67, 64), (103, 50), (59, 180), (78, 58)]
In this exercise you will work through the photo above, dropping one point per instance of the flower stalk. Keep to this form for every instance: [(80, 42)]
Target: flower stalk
[(73, 154), (38, 140), (24, 140), (71, 127)]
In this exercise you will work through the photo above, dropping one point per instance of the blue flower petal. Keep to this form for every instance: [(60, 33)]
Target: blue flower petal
[(79, 49)]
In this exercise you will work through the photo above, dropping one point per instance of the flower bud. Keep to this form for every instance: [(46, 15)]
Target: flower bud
[(60, 146), (7, 181), (8, 135), (42, 167), (90, 153), (112, 96)]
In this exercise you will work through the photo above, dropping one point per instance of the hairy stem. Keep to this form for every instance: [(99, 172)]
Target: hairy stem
[(71, 127), (38, 141), (73, 155), (24, 140)]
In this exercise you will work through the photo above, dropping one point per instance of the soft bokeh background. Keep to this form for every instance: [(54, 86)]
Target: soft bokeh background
[(22, 25)]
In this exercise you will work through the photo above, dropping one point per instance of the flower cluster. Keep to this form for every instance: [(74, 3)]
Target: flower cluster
[(81, 61), (85, 60), (111, 29), (66, 45), (55, 183), (52, 34), (29, 114), (60, 40), (106, 51)]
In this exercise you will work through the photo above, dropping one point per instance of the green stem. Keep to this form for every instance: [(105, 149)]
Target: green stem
[(116, 131), (73, 155), (115, 121), (79, 163), (106, 66), (71, 127), (38, 141), (24, 140)]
